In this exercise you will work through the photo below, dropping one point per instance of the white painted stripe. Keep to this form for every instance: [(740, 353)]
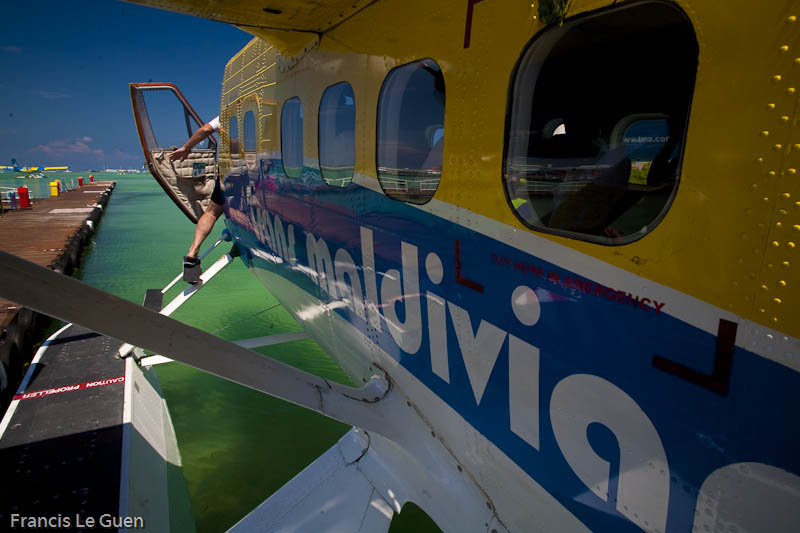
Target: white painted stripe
[(761, 340), (71, 210), (127, 417), (256, 342), (69, 388), (27, 379), (152, 360), (270, 340), (682, 306)]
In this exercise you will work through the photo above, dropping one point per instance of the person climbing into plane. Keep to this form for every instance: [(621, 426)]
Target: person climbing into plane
[(191, 263)]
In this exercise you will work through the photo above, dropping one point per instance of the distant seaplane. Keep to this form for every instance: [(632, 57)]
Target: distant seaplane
[(555, 245), (16, 167)]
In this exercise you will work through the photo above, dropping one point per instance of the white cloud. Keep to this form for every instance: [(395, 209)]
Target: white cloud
[(61, 147), (125, 155)]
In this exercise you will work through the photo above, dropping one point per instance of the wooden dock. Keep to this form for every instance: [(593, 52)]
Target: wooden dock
[(53, 231)]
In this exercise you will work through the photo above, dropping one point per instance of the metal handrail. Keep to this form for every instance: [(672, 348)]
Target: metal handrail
[(225, 237), (187, 293)]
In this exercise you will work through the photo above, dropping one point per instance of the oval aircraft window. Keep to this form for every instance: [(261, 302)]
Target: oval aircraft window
[(598, 121), (411, 131), (250, 139), (233, 134), (292, 137), (337, 135)]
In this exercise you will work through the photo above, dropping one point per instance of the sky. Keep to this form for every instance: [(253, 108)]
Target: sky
[(65, 69)]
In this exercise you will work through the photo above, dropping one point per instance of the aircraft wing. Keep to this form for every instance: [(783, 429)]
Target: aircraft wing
[(286, 24)]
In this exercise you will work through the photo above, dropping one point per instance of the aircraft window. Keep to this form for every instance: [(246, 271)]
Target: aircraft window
[(250, 135), (411, 131), (337, 135), (250, 140), (292, 137), (234, 136), (170, 123), (601, 161)]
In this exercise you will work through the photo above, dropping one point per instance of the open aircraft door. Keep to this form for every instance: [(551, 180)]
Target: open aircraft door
[(165, 121)]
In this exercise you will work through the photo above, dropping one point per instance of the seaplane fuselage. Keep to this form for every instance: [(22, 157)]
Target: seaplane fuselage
[(433, 190)]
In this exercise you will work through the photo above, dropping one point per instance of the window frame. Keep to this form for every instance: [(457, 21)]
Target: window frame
[(302, 139), (319, 135), (238, 154), (566, 26), (378, 121), (250, 105)]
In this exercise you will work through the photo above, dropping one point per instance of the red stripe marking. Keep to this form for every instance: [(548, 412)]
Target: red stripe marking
[(461, 280), (468, 30), (69, 388)]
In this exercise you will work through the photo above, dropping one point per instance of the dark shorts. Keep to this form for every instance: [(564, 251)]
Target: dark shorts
[(216, 196)]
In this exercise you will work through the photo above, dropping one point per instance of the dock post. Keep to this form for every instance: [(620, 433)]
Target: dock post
[(24, 199)]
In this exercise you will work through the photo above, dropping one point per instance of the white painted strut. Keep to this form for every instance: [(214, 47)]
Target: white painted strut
[(68, 299)]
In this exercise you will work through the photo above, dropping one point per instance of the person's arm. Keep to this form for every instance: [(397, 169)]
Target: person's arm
[(197, 137)]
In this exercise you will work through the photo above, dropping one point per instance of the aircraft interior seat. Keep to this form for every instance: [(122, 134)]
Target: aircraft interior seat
[(587, 203)]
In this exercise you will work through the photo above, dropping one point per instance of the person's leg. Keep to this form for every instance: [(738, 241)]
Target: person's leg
[(191, 264), (204, 227)]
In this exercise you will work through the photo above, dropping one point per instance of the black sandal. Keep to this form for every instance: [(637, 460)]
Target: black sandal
[(191, 270)]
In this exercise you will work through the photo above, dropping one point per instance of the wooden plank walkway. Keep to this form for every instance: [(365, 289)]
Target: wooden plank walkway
[(53, 232)]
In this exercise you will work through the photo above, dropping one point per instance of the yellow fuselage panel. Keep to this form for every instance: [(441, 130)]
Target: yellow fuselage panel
[(732, 233)]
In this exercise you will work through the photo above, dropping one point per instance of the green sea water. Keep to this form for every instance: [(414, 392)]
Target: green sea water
[(238, 446)]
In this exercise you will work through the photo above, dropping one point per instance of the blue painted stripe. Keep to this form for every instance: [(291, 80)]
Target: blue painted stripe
[(585, 328)]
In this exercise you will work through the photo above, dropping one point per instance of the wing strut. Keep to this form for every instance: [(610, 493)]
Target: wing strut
[(68, 299)]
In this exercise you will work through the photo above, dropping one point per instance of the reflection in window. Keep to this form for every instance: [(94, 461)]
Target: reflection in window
[(601, 161), (411, 131), (292, 137), (250, 139), (234, 137), (337, 134), (644, 139), (250, 136)]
